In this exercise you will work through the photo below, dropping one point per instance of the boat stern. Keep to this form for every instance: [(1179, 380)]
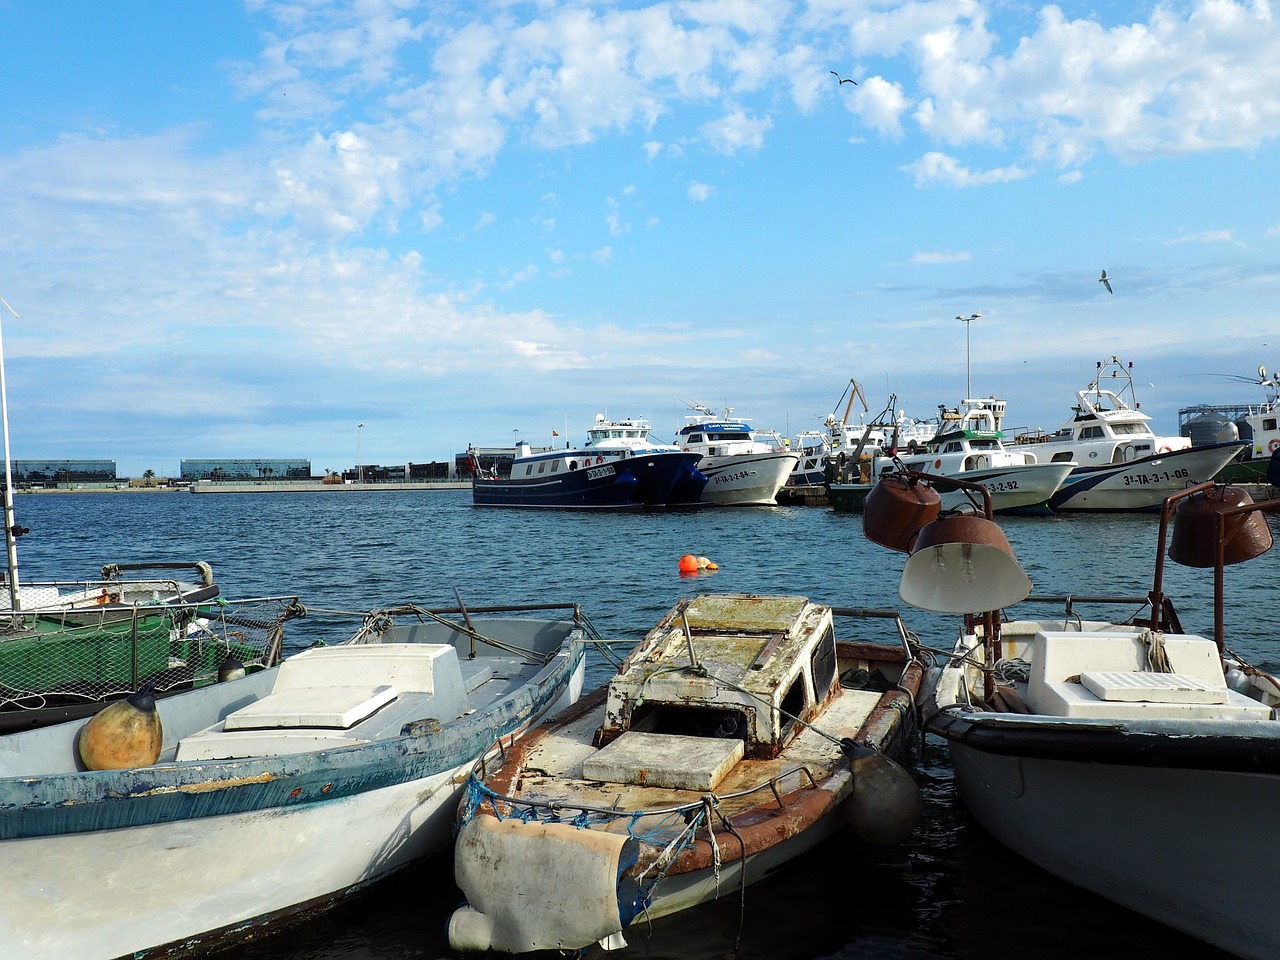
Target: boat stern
[(516, 875)]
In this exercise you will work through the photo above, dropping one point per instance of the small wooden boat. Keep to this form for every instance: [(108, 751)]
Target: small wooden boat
[(1129, 757), (273, 794), (736, 735)]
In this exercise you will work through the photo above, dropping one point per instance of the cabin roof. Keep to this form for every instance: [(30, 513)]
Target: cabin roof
[(749, 640)]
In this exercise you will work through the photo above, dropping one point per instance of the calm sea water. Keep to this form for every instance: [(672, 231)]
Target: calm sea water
[(951, 892)]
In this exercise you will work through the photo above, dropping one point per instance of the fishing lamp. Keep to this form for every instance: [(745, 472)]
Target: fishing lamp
[(1218, 519), (1213, 526), (896, 508), (962, 563)]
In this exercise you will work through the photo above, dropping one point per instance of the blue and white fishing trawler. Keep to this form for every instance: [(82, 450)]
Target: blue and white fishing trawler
[(740, 470), (619, 467)]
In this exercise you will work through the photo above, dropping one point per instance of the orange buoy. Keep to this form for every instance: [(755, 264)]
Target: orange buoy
[(688, 563), (125, 734)]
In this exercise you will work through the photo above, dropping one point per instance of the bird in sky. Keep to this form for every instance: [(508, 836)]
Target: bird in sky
[(1105, 281), (843, 79)]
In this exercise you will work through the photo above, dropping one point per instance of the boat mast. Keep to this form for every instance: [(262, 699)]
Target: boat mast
[(10, 541)]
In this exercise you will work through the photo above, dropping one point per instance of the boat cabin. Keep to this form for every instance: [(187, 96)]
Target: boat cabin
[(733, 667)]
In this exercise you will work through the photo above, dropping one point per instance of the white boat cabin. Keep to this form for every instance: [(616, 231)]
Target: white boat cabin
[(739, 669)]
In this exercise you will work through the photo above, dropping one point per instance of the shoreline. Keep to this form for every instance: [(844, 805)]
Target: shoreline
[(256, 486)]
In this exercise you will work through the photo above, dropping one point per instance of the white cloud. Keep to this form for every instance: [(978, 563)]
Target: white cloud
[(701, 192), (926, 256), (736, 131), (937, 169)]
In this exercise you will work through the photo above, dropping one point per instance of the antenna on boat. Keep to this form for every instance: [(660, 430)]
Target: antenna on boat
[(10, 538)]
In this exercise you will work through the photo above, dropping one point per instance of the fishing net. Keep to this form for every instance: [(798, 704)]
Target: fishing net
[(84, 655)]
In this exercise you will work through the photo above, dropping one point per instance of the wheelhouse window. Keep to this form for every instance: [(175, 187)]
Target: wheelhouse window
[(822, 665)]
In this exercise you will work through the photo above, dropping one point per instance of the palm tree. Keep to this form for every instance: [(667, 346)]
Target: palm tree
[(148, 475)]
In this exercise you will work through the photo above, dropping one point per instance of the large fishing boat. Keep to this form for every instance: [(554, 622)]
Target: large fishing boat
[(969, 446), (1121, 464), (619, 467), (740, 469)]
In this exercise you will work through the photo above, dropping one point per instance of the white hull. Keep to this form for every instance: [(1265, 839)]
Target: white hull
[(1188, 848), (107, 894), (1019, 487), (749, 479), (1141, 484)]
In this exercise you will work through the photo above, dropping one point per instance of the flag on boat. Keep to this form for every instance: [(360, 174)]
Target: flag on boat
[(555, 433)]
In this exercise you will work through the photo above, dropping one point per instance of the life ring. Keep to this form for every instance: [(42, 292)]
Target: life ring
[(1165, 449), (1273, 446), (937, 464)]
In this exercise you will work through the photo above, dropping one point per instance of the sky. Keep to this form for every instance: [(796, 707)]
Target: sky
[(376, 231)]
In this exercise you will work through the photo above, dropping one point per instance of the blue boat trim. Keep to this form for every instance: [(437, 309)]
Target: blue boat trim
[(42, 806)]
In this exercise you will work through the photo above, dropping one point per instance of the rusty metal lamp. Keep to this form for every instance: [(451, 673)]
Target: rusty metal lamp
[(1213, 526), (959, 562)]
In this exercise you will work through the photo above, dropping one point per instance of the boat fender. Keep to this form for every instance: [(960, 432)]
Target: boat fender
[(230, 669), (124, 734), (886, 805)]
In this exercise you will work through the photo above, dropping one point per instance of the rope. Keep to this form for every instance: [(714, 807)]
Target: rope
[(1157, 655)]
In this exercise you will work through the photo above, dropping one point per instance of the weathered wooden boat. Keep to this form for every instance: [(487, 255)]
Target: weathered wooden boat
[(736, 735), (1129, 757), (273, 794)]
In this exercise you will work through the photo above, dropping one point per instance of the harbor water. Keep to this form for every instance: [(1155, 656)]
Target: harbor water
[(950, 892)]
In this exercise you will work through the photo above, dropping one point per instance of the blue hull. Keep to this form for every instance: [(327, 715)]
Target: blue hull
[(650, 480), (597, 488)]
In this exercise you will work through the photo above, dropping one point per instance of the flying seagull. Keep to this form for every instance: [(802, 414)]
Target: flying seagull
[(1105, 281), (843, 79)]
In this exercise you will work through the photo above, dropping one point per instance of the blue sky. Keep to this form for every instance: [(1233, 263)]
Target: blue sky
[(242, 229)]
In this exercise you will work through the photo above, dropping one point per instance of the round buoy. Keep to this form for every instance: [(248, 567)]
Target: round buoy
[(230, 669), (886, 804), (711, 565), (688, 563), (124, 734), (703, 563)]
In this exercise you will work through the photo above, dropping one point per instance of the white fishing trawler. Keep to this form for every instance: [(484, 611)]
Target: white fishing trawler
[(741, 470)]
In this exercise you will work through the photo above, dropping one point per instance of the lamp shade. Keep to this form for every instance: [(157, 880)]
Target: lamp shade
[(896, 508), (962, 564), (1245, 534)]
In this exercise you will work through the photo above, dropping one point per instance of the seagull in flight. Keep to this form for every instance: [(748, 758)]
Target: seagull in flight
[(843, 79), (1105, 281)]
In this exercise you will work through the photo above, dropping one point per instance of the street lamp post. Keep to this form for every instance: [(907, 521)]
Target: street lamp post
[(359, 455), (968, 384)]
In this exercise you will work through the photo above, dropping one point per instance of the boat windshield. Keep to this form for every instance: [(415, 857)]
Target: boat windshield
[(1132, 429)]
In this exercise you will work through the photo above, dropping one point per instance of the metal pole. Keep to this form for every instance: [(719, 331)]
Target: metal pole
[(968, 383), (359, 455), (10, 541)]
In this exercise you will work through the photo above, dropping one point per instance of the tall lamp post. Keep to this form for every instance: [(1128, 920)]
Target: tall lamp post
[(968, 385), (359, 455)]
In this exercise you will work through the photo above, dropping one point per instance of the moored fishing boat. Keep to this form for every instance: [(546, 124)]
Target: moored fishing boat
[(1121, 465), (273, 794), (619, 467), (740, 469), (736, 735), (1256, 425), (1127, 756), (969, 445)]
